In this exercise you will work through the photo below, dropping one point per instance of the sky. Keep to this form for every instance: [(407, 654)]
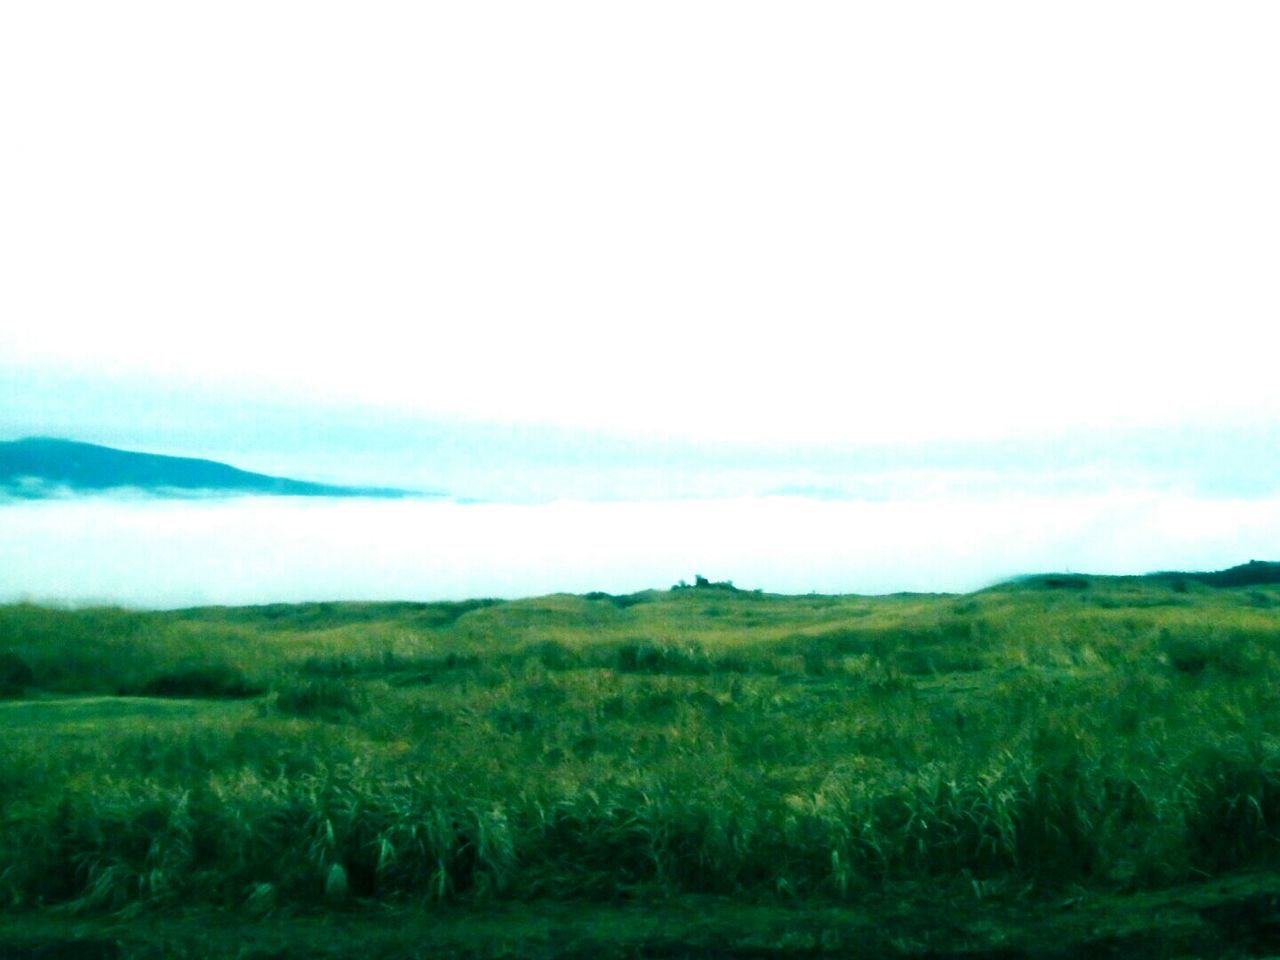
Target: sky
[(837, 296), (758, 225)]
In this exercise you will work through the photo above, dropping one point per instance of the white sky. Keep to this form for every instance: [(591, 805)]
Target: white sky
[(804, 221)]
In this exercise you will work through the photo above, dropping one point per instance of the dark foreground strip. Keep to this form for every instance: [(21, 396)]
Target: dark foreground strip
[(1237, 917), (61, 950)]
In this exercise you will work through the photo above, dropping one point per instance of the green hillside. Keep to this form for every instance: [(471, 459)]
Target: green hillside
[(700, 771)]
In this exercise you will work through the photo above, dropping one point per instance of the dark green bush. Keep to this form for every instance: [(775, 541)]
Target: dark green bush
[(219, 680), (557, 656), (320, 698), (923, 661), (647, 657), (15, 675)]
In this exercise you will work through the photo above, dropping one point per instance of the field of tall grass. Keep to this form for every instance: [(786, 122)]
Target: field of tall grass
[(1057, 734)]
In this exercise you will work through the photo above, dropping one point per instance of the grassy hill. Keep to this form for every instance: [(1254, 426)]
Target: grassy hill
[(38, 467), (701, 771)]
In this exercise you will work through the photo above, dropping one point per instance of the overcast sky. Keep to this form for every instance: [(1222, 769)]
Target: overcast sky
[(874, 222)]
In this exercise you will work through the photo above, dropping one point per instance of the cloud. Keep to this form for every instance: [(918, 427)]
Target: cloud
[(254, 550)]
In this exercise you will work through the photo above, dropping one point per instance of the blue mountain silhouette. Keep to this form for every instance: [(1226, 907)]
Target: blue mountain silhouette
[(38, 467)]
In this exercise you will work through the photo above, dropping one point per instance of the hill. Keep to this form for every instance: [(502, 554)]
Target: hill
[(40, 467), (1025, 771), (1252, 574), (1255, 573)]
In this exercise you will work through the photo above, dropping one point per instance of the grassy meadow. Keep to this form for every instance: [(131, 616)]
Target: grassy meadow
[(700, 752)]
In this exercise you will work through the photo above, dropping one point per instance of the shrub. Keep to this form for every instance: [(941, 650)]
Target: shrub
[(15, 675), (219, 680), (322, 698), (646, 657), (1236, 654), (622, 602), (818, 661), (556, 656), (922, 661)]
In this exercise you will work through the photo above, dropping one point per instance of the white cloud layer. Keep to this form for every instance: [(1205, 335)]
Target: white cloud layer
[(164, 554)]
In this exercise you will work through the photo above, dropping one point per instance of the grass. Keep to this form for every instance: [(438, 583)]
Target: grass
[(1034, 740)]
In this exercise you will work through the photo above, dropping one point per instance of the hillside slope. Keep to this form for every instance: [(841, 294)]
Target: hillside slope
[(38, 467)]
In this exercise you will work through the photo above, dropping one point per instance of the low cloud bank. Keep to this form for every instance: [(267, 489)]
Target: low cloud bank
[(257, 550)]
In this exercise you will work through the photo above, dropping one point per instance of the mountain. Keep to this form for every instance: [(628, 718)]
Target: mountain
[(40, 467)]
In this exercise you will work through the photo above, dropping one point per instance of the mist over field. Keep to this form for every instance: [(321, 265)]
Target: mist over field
[(171, 553)]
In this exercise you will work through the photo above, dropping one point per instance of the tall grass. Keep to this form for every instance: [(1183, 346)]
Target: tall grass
[(1120, 735)]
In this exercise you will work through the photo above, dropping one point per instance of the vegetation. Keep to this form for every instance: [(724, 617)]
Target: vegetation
[(1052, 739)]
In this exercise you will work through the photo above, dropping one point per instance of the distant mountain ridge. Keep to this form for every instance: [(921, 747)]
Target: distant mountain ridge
[(41, 467)]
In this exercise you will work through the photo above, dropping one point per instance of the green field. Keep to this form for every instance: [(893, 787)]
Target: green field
[(1060, 764)]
